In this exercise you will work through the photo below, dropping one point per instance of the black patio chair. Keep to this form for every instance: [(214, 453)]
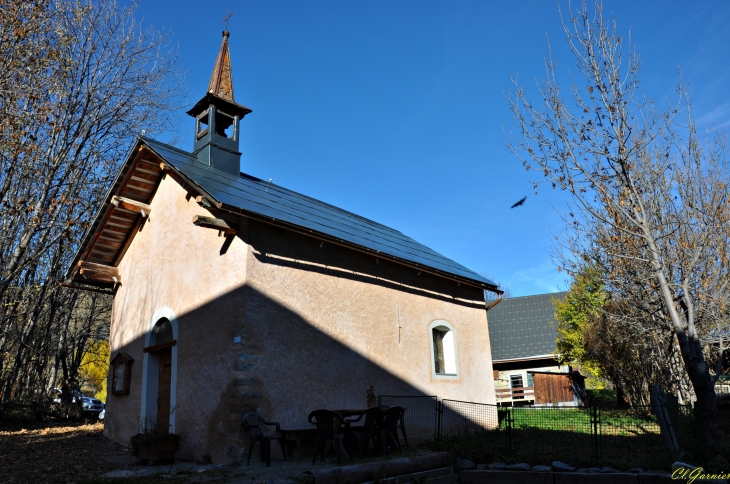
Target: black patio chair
[(401, 423), (252, 421), (389, 427), (402, 427), (328, 430), (369, 430)]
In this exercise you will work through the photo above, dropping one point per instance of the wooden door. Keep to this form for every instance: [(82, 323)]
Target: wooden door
[(163, 390), (550, 388)]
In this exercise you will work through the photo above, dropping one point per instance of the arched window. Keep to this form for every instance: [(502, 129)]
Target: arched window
[(162, 332), (443, 350)]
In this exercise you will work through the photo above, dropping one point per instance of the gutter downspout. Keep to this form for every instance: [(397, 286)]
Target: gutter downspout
[(499, 299)]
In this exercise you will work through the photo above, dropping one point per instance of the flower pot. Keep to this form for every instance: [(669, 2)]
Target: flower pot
[(155, 448), (372, 403)]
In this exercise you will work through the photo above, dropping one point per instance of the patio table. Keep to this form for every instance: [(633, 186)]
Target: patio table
[(356, 412), (353, 412)]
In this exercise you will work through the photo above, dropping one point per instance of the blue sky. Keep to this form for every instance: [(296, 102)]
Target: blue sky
[(396, 110)]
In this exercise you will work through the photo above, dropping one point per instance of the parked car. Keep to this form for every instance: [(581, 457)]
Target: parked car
[(91, 405), (101, 415), (56, 392)]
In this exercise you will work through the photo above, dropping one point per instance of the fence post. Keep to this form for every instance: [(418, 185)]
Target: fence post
[(595, 427), (439, 416), (510, 425)]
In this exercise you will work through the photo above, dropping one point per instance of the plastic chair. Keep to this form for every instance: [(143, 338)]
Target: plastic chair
[(328, 430), (389, 427), (373, 418), (402, 427), (252, 421)]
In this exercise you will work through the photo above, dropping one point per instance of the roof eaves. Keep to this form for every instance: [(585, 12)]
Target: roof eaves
[(91, 230)]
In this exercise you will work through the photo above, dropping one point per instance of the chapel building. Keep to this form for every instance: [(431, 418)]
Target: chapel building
[(233, 294)]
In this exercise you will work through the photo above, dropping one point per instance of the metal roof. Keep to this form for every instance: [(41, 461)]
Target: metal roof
[(520, 327), (274, 202)]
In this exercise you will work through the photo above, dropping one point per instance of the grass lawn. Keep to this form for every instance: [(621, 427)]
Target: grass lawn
[(540, 435)]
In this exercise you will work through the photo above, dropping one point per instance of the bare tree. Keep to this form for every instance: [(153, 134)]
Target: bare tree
[(79, 79), (650, 206), (492, 296)]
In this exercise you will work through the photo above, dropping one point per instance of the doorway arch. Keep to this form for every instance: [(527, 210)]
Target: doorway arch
[(159, 376)]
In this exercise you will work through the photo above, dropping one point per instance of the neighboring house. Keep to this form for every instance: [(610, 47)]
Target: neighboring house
[(523, 335), (234, 294)]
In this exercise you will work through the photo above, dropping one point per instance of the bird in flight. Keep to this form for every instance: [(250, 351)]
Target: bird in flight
[(519, 203)]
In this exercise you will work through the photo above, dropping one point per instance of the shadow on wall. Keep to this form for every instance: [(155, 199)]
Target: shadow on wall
[(275, 363), (244, 351)]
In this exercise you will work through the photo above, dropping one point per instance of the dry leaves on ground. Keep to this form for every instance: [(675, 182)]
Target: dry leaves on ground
[(54, 454)]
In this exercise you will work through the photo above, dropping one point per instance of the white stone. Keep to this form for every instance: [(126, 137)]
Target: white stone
[(542, 468), (522, 466)]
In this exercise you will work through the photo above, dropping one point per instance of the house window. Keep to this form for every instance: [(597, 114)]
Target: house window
[(515, 382), (121, 367), (443, 350), (529, 380)]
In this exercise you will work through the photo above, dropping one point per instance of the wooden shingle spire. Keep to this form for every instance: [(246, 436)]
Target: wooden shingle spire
[(221, 81)]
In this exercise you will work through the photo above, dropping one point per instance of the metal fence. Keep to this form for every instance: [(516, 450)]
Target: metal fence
[(420, 418), (622, 437), (462, 418)]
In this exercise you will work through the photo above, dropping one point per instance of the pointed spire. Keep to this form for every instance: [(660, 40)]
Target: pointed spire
[(221, 81)]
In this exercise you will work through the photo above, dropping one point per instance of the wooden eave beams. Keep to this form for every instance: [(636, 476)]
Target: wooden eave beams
[(131, 205), (86, 287), (98, 272), (127, 209), (215, 223), (122, 216)]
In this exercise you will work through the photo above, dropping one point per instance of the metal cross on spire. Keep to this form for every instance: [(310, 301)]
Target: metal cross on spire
[(228, 17)]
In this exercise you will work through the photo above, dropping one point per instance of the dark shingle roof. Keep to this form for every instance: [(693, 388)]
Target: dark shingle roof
[(520, 327), (271, 201)]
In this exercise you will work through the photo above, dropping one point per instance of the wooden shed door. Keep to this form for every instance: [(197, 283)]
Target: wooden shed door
[(552, 388), (163, 390)]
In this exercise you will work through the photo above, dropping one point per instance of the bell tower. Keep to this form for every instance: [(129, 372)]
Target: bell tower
[(217, 118)]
